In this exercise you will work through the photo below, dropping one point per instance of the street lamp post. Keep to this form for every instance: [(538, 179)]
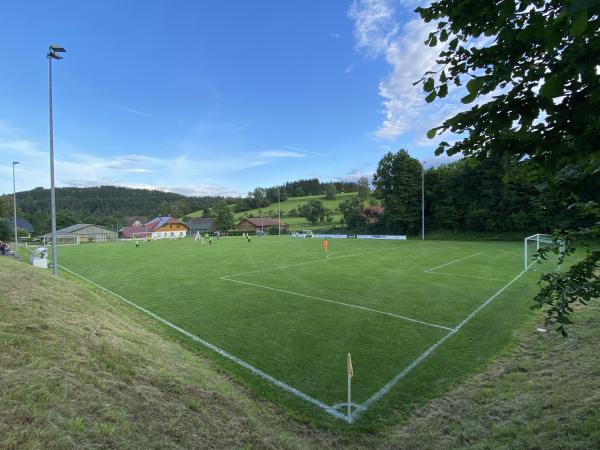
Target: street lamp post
[(15, 204), (279, 211), (423, 202), (53, 53)]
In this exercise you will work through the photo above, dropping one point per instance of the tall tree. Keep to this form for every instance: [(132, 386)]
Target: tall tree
[(224, 220), (313, 211), (330, 191), (352, 210), (539, 75), (398, 183), (364, 188)]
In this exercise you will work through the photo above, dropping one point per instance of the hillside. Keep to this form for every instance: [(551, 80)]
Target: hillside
[(103, 205), (79, 369), (296, 223)]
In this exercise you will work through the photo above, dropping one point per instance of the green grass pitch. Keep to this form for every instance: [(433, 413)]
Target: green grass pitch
[(281, 306)]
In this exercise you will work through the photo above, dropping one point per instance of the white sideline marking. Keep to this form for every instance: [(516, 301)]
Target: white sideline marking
[(452, 262), (385, 389), (286, 387), (350, 305), (464, 276)]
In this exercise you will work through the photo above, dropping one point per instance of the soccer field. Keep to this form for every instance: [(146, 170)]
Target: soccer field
[(416, 316)]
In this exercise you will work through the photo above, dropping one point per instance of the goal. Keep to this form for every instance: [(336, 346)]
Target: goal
[(67, 239), (532, 245)]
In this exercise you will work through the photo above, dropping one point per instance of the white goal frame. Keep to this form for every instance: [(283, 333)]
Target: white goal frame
[(74, 238), (538, 238)]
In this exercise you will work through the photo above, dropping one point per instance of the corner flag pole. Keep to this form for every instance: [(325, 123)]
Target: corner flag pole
[(350, 375)]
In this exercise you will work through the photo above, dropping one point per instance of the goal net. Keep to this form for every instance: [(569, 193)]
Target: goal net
[(534, 243), (143, 235), (68, 239)]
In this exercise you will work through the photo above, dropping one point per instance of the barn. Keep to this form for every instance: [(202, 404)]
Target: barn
[(202, 225), (254, 224), (82, 232)]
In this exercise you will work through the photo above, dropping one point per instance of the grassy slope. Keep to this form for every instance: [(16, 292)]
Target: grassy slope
[(296, 223), (78, 369)]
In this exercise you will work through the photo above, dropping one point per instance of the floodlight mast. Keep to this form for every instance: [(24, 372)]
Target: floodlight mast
[(14, 163), (423, 201), (53, 51)]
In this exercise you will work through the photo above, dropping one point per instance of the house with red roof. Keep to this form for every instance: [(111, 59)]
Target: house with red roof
[(166, 227)]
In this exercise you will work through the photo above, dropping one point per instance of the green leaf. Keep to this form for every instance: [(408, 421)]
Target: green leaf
[(552, 87), (474, 84), (431, 97), (431, 133), (443, 90), (468, 98), (428, 85), (579, 23), (432, 41)]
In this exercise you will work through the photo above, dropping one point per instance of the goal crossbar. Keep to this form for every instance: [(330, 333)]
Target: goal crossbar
[(539, 240)]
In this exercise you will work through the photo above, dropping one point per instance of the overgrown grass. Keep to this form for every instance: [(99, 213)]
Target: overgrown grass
[(80, 370)]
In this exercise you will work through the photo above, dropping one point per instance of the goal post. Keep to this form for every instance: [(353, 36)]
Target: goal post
[(532, 245), (65, 239)]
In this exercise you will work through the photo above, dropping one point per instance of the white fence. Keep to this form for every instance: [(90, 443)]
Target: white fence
[(381, 236)]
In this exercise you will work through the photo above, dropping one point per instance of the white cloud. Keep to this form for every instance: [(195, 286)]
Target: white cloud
[(335, 35), (349, 69), (135, 111), (374, 24), (280, 154)]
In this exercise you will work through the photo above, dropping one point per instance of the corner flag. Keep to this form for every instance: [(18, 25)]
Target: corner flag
[(350, 370)]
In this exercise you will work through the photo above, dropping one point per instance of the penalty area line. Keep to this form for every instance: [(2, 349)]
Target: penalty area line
[(265, 376), (349, 305), (423, 356), (452, 262)]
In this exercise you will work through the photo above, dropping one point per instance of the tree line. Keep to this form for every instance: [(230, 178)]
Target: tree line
[(469, 195)]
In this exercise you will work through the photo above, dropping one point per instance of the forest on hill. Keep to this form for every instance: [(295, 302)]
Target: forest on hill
[(103, 205)]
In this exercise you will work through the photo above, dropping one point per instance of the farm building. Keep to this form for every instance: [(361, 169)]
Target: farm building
[(202, 225), (259, 224), (166, 227), (83, 232)]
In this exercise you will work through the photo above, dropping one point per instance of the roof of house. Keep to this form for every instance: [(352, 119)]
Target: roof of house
[(149, 227), (22, 224), (77, 227), (159, 221), (140, 231), (264, 221), (376, 209), (130, 219)]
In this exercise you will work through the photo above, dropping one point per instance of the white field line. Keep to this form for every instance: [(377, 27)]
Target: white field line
[(286, 387), (349, 305), (385, 389), (465, 276), (453, 262)]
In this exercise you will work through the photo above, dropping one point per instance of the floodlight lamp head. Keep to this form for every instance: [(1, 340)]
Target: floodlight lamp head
[(56, 48), (15, 163), (54, 56)]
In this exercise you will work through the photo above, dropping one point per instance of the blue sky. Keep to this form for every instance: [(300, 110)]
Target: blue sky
[(212, 97)]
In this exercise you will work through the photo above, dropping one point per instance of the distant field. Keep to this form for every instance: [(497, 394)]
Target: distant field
[(296, 223), (416, 316)]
